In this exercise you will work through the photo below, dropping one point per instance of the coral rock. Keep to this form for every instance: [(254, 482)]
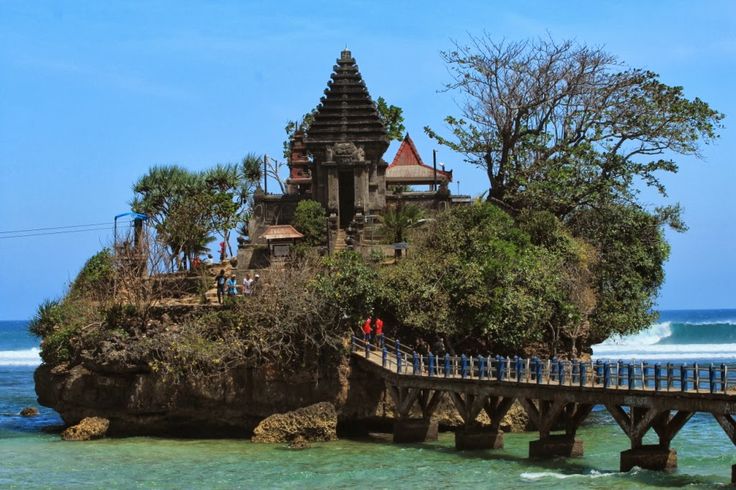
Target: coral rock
[(29, 412), (316, 422), (88, 429)]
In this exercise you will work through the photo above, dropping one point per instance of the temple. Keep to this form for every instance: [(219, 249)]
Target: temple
[(338, 161)]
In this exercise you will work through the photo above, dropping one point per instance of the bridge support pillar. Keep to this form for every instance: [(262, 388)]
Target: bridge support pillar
[(556, 445), (477, 439), (636, 422), (650, 457), (414, 430), (547, 415)]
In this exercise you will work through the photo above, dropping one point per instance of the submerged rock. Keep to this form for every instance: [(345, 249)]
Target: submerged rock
[(29, 412), (299, 442), (316, 422), (88, 429)]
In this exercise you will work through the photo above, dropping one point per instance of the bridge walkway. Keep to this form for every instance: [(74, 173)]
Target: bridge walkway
[(557, 394)]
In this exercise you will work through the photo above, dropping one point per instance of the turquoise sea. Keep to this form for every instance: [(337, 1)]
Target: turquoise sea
[(33, 456)]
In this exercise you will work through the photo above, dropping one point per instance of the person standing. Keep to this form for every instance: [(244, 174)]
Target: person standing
[(220, 283), (222, 251), (256, 284), (232, 287), (379, 332), (247, 285), (367, 330)]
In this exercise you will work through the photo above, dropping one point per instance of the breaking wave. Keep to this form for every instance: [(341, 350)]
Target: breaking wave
[(674, 340), (25, 357)]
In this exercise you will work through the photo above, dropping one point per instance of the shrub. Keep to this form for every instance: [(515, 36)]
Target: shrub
[(310, 220)]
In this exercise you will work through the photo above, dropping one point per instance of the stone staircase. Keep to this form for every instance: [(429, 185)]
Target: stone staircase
[(340, 244)]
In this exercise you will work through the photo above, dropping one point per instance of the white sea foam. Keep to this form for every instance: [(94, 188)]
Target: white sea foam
[(25, 357), (562, 476)]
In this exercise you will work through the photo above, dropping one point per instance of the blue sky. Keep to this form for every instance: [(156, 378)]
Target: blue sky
[(93, 93)]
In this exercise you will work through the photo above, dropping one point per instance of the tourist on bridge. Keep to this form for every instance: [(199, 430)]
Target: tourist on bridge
[(379, 332), (220, 283), (367, 330), (439, 347)]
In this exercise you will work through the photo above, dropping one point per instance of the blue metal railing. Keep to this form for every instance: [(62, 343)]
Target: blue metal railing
[(607, 375)]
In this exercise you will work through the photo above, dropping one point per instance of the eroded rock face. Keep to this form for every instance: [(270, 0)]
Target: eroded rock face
[(87, 429), (314, 423), (231, 404)]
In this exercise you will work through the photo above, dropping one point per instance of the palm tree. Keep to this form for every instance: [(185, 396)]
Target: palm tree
[(397, 222)]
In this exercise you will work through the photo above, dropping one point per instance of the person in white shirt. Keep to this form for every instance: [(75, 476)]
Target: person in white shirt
[(247, 285)]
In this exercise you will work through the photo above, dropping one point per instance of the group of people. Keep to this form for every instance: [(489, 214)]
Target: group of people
[(228, 287), (371, 327)]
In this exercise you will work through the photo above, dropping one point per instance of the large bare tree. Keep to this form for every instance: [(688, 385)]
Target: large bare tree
[(560, 125)]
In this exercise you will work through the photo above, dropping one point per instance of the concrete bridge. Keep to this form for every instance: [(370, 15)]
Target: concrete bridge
[(557, 395)]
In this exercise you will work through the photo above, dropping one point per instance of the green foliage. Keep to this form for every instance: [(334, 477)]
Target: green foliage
[(632, 251), (96, 277), (49, 314), (187, 207), (310, 220), (392, 118), (60, 323), (396, 222), (477, 274), (348, 283)]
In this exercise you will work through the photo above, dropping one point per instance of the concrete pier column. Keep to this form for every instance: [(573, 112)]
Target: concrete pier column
[(414, 430), (651, 457), (555, 446), (478, 439)]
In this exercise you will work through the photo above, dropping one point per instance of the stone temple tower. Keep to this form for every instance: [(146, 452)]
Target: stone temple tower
[(347, 141)]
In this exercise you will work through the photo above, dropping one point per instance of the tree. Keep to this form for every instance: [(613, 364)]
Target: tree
[(310, 220), (171, 197), (392, 118), (488, 282), (561, 126), (396, 222)]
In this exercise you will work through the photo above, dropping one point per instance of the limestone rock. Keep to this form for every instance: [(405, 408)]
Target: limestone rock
[(29, 412), (516, 420), (88, 429), (299, 442), (316, 422)]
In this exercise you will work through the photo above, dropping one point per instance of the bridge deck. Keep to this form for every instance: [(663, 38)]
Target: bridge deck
[(710, 388)]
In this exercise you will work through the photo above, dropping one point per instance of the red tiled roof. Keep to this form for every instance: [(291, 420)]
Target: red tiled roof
[(409, 156)]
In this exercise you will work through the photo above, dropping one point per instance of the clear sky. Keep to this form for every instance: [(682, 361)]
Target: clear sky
[(93, 93)]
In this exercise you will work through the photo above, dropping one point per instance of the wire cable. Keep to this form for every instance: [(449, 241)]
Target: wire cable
[(64, 232), (55, 228)]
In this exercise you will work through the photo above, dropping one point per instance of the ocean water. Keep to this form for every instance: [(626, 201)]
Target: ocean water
[(33, 456)]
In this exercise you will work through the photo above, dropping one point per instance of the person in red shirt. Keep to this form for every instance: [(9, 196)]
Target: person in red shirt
[(222, 251), (367, 330), (379, 332)]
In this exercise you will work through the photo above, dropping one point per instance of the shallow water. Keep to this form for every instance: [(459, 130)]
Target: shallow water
[(30, 457)]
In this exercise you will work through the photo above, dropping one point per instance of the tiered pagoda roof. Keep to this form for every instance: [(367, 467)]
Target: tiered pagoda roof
[(346, 113), (408, 167)]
